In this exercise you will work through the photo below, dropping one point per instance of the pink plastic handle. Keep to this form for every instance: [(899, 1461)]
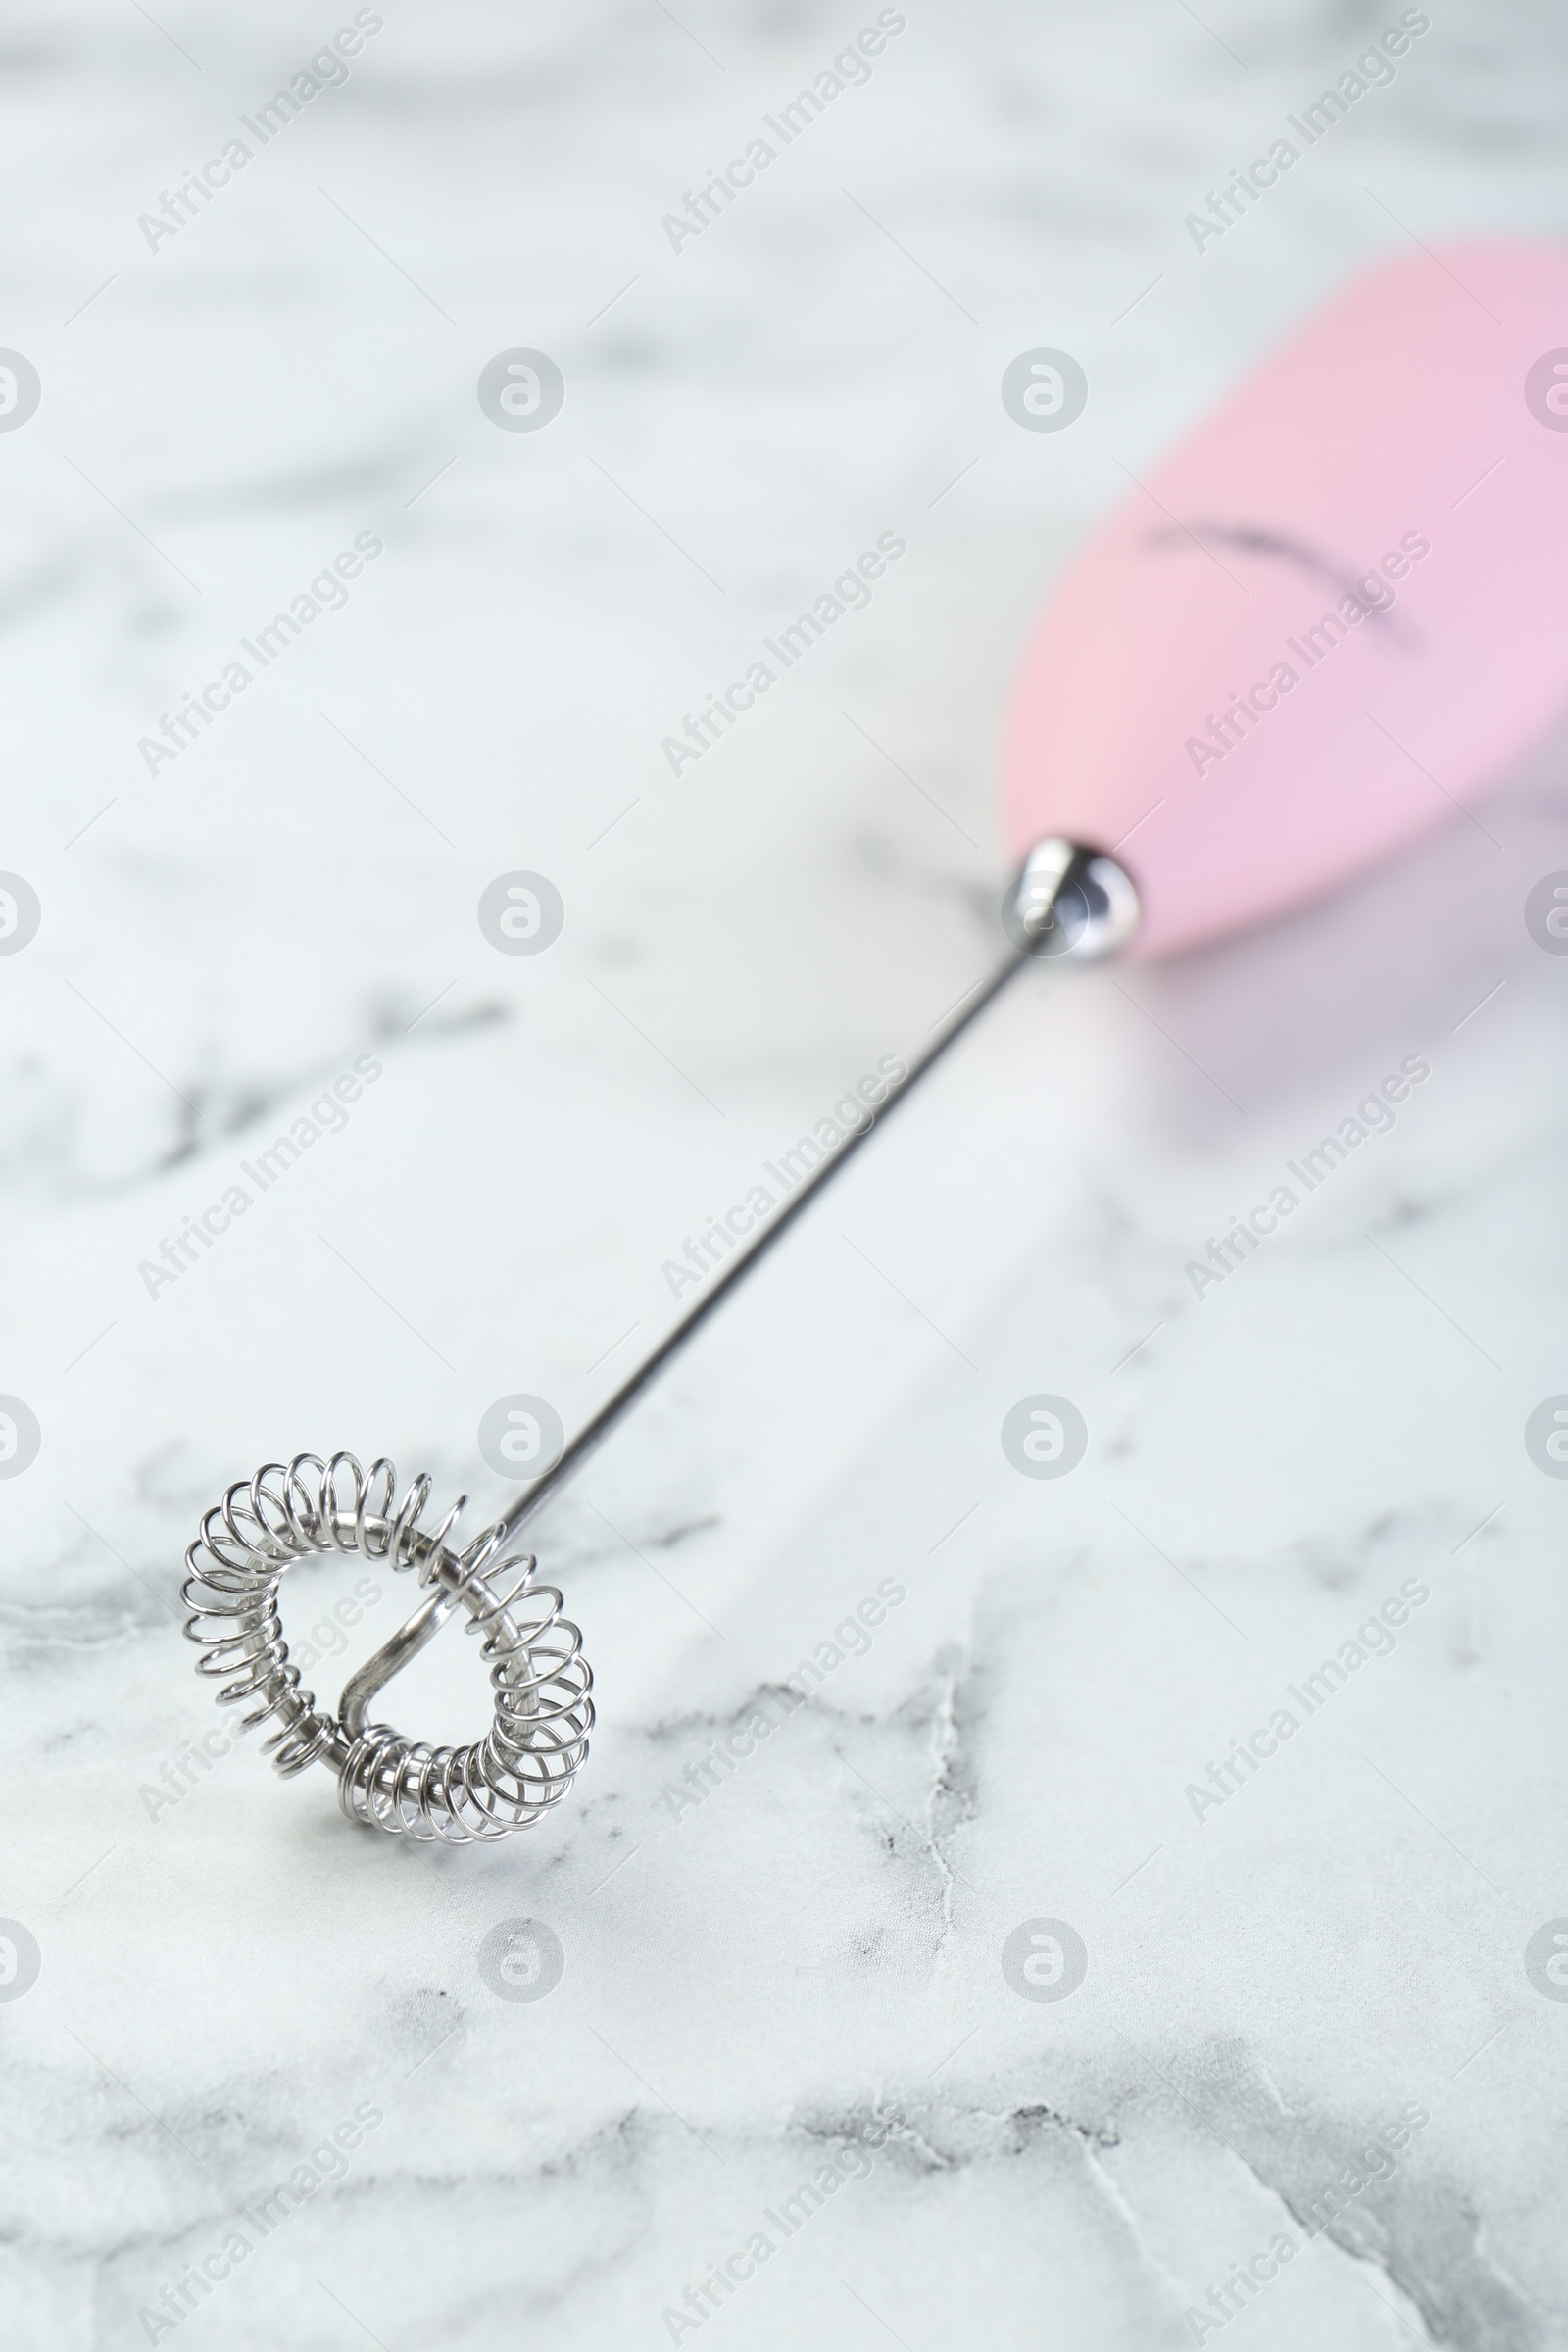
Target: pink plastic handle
[(1357, 567)]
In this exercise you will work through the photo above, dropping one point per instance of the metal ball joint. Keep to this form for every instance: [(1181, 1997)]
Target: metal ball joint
[(1067, 902), (1071, 901)]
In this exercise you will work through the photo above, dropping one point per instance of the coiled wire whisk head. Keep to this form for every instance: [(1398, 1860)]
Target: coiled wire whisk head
[(542, 1684)]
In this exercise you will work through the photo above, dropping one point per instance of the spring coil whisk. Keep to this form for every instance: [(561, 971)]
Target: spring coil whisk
[(542, 1684)]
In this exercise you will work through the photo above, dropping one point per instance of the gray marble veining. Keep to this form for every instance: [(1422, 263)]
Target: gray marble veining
[(262, 2091)]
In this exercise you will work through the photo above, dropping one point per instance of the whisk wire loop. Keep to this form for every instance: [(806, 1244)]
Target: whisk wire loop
[(541, 1682)]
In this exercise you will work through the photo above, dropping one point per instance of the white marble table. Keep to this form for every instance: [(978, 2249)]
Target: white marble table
[(802, 1966)]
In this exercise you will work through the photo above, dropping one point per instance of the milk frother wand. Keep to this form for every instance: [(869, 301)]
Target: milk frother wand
[(1397, 454), (1066, 901)]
